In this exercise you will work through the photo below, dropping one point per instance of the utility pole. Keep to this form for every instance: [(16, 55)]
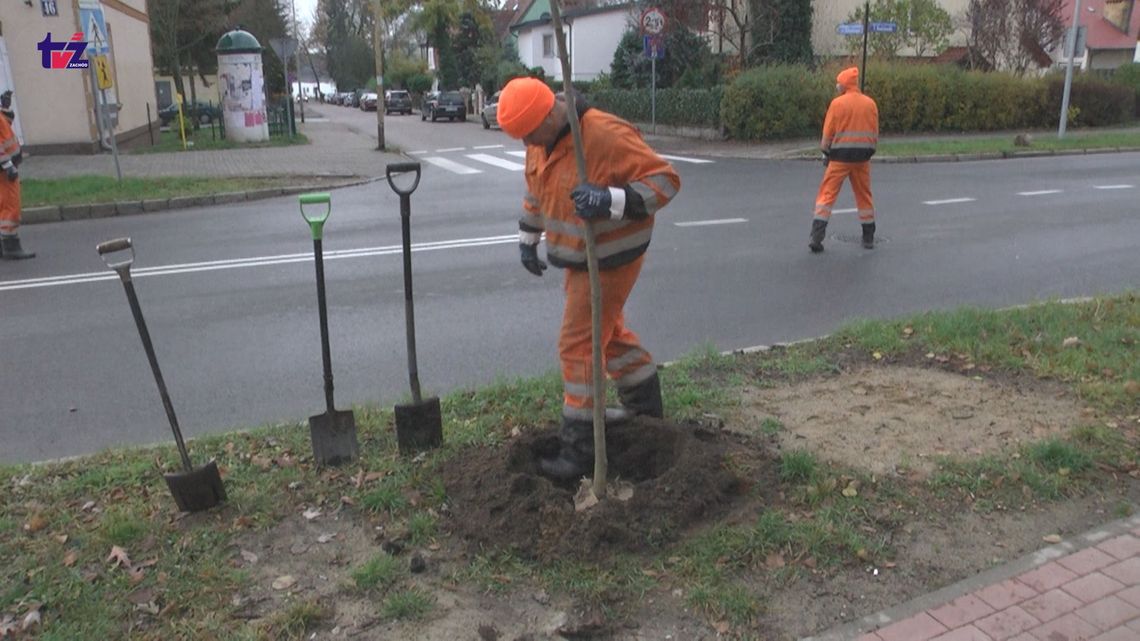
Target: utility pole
[(297, 35), (378, 52), (866, 28), (1072, 46)]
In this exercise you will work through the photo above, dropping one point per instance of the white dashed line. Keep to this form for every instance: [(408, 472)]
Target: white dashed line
[(1112, 186), (949, 201), (722, 221), (520, 154), (1043, 192), (488, 147), (695, 161), (444, 151), (497, 162), (451, 165)]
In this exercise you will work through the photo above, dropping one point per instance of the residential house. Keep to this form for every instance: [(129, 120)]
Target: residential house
[(1111, 29), (829, 14), (55, 108), (593, 31)]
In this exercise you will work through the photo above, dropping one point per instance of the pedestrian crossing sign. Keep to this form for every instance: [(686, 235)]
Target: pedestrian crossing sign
[(102, 71)]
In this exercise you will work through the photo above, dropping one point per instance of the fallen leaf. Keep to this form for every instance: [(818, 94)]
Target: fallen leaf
[(584, 498), (62, 538), (850, 492), (136, 575), (877, 356), (620, 490), (1071, 341), (36, 523), (721, 627), (1132, 387), (930, 354), (311, 513), (284, 582), (140, 596), (347, 500), (325, 538), (249, 557), (809, 562), (119, 557), (262, 462), (907, 331), (70, 558), (31, 620), (147, 563), (890, 565), (1052, 538), (775, 561)]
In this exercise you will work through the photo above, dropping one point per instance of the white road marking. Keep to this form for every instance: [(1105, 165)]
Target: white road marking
[(498, 162), (722, 221), (259, 261), (520, 154), (1112, 186), (948, 201), (451, 165), (1043, 192), (696, 161), (444, 151), (414, 153), (488, 147)]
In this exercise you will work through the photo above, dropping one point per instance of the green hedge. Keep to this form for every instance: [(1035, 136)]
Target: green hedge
[(776, 102), (1128, 75), (677, 107)]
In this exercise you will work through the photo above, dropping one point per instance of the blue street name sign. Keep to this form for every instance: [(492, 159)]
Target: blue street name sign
[(850, 29), (884, 27)]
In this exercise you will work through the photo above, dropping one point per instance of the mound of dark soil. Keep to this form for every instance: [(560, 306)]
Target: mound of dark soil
[(499, 501)]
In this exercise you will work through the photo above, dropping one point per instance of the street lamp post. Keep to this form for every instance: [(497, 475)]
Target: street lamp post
[(378, 52), (1072, 47), (297, 35)]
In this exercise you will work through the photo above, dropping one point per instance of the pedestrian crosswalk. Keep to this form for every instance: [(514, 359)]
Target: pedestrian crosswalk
[(476, 160)]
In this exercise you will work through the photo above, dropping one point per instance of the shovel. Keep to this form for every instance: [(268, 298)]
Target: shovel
[(334, 432), (194, 490), (419, 424)]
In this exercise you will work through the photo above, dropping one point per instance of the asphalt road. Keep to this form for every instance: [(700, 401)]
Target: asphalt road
[(229, 293)]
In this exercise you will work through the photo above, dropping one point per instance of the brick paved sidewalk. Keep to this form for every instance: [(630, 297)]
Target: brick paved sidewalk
[(1086, 589)]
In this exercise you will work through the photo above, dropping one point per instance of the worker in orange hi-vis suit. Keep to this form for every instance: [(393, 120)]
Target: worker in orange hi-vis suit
[(850, 134), (626, 184), (10, 195)]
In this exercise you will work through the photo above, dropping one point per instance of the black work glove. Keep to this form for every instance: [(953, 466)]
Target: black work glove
[(591, 202), (530, 259), (11, 170)]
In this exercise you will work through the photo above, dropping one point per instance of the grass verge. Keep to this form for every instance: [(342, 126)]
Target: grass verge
[(84, 190), (1004, 144), (210, 138)]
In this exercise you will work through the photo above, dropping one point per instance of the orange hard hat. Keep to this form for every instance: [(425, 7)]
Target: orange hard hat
[(523, 104), (849, 77)]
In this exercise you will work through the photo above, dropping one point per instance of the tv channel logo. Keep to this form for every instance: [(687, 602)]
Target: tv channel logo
[(64, 54)]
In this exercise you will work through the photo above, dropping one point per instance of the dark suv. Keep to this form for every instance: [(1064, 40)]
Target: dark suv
[(444, 104), (397, 100)]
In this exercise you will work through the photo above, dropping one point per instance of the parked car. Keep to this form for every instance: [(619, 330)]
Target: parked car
[(200, 111), (491, 112), (444, 104), (397, 100), (368, 101)]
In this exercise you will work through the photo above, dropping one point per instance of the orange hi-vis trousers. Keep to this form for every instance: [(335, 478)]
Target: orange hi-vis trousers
[(9, 205), (625, 362), (860, 174)]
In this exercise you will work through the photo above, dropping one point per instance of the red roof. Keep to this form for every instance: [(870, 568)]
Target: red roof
[(1102, 34)]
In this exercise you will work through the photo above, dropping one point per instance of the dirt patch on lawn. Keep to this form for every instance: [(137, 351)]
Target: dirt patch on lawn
[(886, 419)]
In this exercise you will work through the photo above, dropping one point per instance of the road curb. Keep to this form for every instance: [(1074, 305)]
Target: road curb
[(57, 213), (1021, 565), (991, 155)]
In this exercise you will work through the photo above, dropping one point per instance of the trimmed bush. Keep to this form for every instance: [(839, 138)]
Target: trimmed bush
[(677, 107), (1128, 75), (776, 102), (1098, 102)]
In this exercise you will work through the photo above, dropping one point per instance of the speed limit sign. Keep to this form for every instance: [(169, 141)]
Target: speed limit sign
[(652, 21)]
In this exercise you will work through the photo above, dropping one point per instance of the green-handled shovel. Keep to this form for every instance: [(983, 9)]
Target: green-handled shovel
[(194, 489), (334, 432)]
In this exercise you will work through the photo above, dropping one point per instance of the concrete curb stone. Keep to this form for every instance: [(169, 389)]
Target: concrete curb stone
[(155, 204), (74, 212), (128, 208), (228, 198), (104, 210), (34, 215)]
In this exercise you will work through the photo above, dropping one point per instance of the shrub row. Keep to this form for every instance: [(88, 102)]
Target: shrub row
[(790, 101)]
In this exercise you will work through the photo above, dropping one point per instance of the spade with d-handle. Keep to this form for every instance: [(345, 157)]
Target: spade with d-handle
[(193, 489), (419, 424), (334, 432)]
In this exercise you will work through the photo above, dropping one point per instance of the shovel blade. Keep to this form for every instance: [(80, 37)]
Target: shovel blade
[(197, 490), (334, 437), (419, 426)]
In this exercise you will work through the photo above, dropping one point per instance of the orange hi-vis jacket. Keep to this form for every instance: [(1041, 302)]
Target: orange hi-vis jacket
[(616, 156), (9, 190), (851, 127)]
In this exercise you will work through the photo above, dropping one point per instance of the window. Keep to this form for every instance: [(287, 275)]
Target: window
[(548, 46)]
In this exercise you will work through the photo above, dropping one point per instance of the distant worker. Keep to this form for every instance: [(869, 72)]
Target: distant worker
[(6, 107), (850, 134), (10, 248), (627, 183)]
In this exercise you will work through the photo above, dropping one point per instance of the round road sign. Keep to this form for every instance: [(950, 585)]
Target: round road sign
[(652, 21)]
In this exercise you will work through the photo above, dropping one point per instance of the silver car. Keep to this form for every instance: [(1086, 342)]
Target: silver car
[(491, 112)]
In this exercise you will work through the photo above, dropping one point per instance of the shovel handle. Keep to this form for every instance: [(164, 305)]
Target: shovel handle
[(316, 222), (117, 245), (403, 168)]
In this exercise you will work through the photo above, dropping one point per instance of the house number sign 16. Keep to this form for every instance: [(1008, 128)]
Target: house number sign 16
[(652, 21)]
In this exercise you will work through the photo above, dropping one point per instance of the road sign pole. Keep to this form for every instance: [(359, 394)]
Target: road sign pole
[(866, 25), (1072, 45), (653, 89)]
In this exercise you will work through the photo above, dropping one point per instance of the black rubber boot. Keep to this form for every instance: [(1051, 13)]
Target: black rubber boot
[(576, 452), (868, 235), (818, 232), (644, 399), (10, 249)]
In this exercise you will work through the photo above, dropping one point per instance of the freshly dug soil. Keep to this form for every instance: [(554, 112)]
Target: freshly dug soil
[(679, 476)]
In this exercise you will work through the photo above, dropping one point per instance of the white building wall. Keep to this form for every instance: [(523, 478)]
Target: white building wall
[(596, 38)]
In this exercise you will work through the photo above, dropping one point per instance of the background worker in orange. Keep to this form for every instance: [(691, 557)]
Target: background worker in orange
[(10, 248), (627, 183), (850, 134)]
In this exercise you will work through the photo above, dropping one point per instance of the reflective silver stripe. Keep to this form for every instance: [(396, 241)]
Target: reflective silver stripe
[(637, 376), (856, 134), (529, 237), (866, 215), (623, 361), (605, 250), (578, 389), (531, 200), (821, 207), (617, 203), (554, 226), (583, 413), (532, 220), (653, 202)]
